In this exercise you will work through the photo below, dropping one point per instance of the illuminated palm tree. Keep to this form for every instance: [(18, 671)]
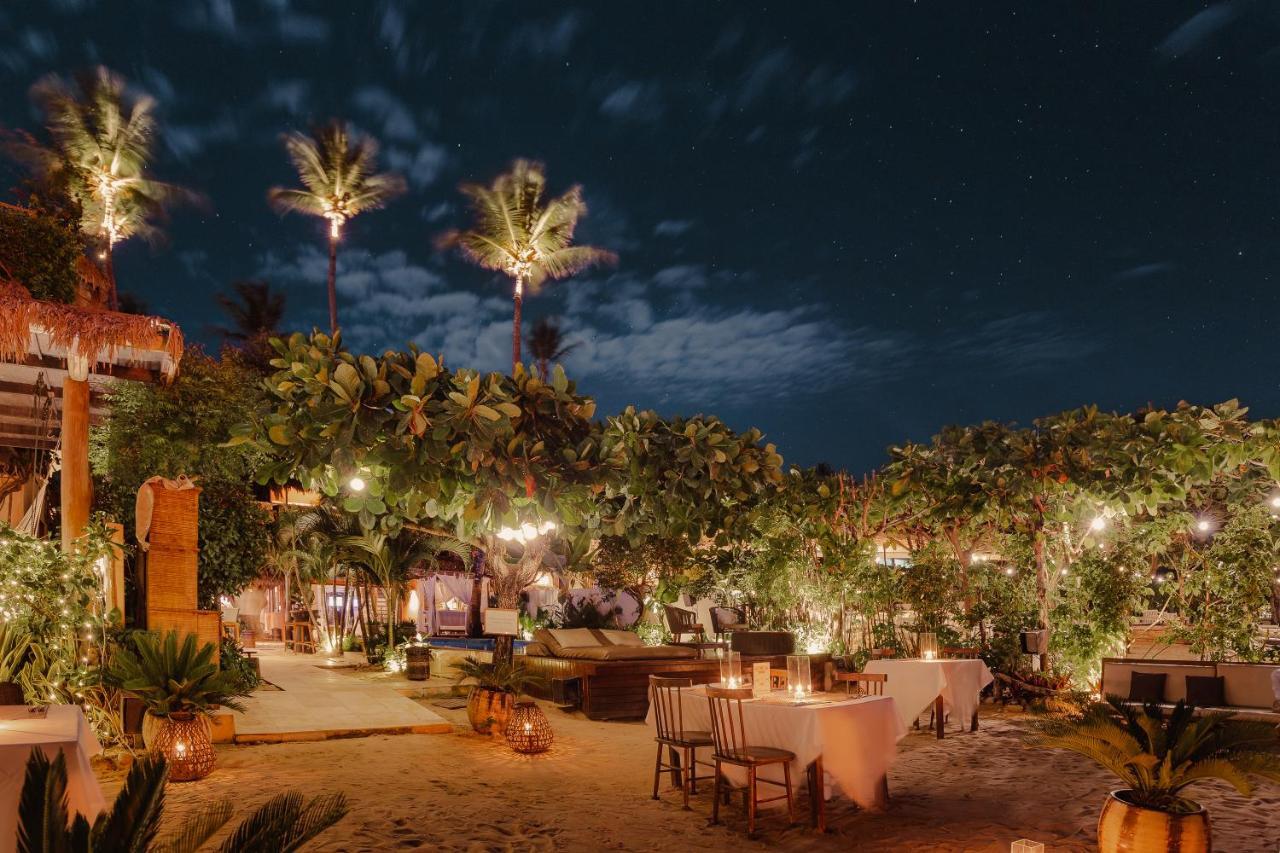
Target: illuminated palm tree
[(547, 344), (517, 232), (337, 169), (101, 141)]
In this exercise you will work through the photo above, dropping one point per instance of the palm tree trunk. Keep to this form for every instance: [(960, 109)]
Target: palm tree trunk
[(333, 285), (518, 298), (109, 267)]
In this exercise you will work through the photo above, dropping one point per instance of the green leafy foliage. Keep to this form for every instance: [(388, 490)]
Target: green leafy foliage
[(171, 678), (498, 676), (40, 253), (182, 428)]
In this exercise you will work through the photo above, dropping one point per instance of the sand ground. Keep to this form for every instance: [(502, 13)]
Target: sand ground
[(464, 792)]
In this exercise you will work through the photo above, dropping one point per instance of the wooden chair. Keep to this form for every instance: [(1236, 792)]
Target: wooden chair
[(668, 714), (883, 653), (682, 622), (960, 652), (778, 679), (725, 620), (732, 747), (867, 683), (299, 638)]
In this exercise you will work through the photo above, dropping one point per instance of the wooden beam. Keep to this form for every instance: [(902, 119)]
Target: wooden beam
[(77, 494)]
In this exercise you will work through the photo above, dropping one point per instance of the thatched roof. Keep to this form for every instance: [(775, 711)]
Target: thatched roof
[(106, 337)]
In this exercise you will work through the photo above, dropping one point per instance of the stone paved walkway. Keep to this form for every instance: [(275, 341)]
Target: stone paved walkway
[(316, 702)]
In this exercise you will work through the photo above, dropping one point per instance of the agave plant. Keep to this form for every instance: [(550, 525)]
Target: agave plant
[(171, 678), (132, 824), (1156, 756), (518, 232), (498, 676), (337, 171)]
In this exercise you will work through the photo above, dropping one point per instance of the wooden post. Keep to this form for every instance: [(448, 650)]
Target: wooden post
[(114, 590), (77, 493)]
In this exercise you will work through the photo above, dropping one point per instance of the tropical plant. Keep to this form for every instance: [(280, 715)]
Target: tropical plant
[(547, 344), (171, 678), (181, 428), (101, 141), (388, 558), (15, 643), (516, 231), (132, 824), (497, 675), (233, 661), (336, 168), (39, 252), (1157, 756), (255, 312)]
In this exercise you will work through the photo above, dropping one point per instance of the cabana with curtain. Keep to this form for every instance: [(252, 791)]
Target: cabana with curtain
[(445, 602)]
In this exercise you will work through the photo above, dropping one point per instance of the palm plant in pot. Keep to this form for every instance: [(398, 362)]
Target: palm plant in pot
[(493, 695), (180, 685), (1157, 757)]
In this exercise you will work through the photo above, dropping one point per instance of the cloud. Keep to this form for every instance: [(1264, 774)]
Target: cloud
[(1144, 271), (397, 120), (1026, 342), (546, 38), (191, 140), (422, 167), (681, 277), (288, 95), (301, 28), (672, 227), (634, 101), (763, 76), (1198, 29)]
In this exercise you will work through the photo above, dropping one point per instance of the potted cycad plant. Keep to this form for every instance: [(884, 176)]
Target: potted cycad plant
[(1157, 757), (178, 683), (494, 692)]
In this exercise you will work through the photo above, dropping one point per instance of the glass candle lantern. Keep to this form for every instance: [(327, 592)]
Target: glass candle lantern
[(799, 677), (1026, 845), (928, 643), (731, 669)]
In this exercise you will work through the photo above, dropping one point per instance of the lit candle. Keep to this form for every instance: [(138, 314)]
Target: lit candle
[(528, 727), (181, 749), (928, 655)]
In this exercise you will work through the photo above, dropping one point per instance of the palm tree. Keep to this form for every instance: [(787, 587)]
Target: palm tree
[(102, 138), (388, 559), (256, 313), (547, 344), (337, 169), (517, 232)]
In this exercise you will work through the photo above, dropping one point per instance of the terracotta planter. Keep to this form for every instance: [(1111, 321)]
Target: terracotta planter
[(151, 725), (1126, 828), (489, 710)]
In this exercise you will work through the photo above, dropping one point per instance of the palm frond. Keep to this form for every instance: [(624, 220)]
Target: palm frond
[(285, 823), (197, 829), (134, 819), (42, 805)]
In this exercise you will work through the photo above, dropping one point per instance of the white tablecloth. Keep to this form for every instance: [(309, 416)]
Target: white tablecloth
[(914, 684), (856, 738), (64, 729)]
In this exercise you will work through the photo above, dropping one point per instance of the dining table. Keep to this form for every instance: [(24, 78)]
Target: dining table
[(951, 685), (839, 742), (55, 730)]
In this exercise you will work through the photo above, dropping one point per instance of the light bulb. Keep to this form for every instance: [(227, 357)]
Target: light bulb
[(356, 483), (1203, 525), (1275, 502), (1098, 523)]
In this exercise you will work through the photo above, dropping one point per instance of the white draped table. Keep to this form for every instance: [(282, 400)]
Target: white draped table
[(62, 730), (854, 741), (951, 685)]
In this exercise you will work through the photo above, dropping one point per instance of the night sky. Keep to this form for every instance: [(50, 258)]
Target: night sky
[(845, 223)]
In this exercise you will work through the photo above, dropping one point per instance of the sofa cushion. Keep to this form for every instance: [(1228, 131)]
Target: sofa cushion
[(575, 638), (1250, 685), (1205, 691), (615, 637), (629, 653), (1147, 686)]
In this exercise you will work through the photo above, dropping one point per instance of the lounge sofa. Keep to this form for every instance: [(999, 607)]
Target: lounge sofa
[(611, 669), (1250, 690)]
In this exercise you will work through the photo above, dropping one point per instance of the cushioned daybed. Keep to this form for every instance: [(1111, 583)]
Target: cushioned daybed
[(612, 668), (1249, 690)]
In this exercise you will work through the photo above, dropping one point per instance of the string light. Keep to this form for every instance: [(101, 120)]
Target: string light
[(356, 483), (1099, 523)]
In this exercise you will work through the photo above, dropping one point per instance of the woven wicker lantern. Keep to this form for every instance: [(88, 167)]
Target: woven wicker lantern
[(528, 730), (186, 746)]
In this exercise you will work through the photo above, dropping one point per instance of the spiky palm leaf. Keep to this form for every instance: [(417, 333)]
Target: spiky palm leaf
[(196, 829), (170, 678), (516, 231), (284, 823), (130, 826), (1157, 756), (255, 311), (547, 344)]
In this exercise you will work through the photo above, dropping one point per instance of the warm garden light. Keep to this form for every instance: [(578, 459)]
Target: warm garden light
[(1099, 523), (1275, 502), (356, 484), (1204, 525), (526, 532)]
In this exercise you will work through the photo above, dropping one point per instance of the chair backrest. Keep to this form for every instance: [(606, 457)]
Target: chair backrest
[(724, 616), (668, 712), (679, 620), (960, 652), (867, 683), (882, 653), (727, 728), (778, 679)]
